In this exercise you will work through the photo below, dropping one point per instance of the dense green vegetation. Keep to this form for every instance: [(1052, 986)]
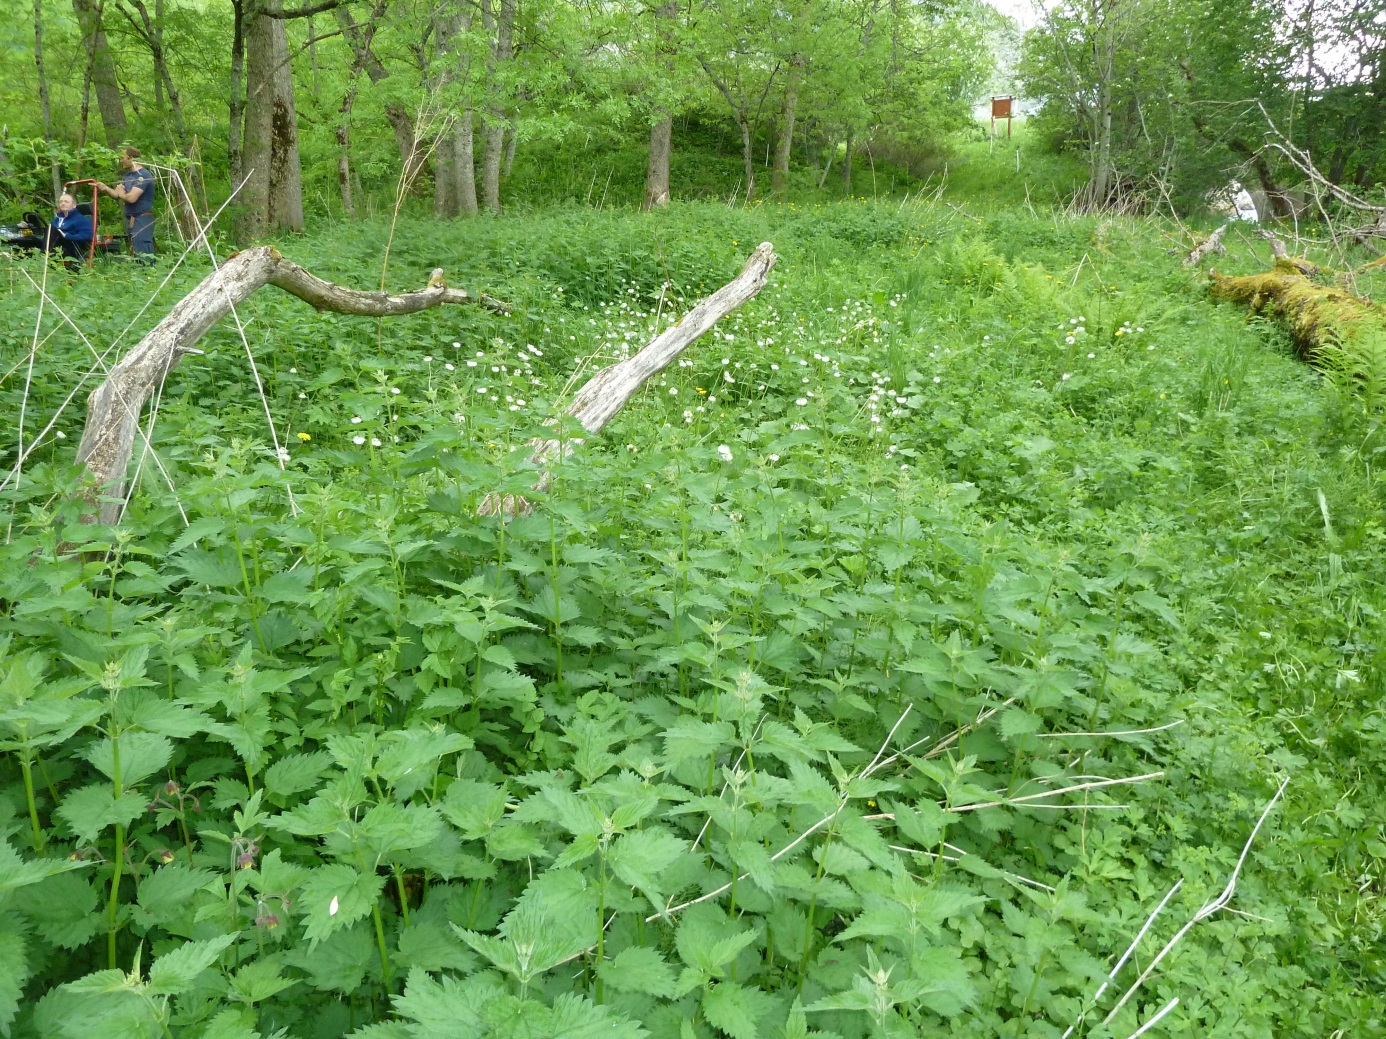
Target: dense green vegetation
[(701, 746)]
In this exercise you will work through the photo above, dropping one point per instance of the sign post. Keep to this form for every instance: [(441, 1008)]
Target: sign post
[(1001, 109)]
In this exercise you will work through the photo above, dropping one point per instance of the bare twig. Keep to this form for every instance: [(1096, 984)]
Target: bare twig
[(1208, 909)]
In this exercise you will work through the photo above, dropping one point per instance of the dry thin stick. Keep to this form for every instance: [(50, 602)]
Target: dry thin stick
[(842, 803), (1122, 732), (1155, 1020), (1135, 942), (1053, 793), (958, 858), (1208, 909)]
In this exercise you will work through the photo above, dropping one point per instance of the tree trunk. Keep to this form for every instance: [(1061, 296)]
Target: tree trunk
[(151, 31), (114, 407), (503, 26), (44, 105), (464, 164), (273, 197), (412, 156), (444, 187), (779, 175), (108, 99), (657, 171), (236, 103), (830, 152), (847, 164), (662, 132), (607, 392), (748, 158), (512, 140)]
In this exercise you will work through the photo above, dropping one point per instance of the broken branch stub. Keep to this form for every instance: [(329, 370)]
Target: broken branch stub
[(1211, 244), (113, 409), (607, 392)]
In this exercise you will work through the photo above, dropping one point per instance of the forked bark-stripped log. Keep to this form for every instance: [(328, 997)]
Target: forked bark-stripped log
[(1211, 244), (113, 409), (607, 392)]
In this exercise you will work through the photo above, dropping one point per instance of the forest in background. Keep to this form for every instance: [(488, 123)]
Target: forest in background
[(975, 632)]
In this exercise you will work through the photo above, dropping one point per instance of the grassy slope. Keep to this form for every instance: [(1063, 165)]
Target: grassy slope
[(1191, 456)]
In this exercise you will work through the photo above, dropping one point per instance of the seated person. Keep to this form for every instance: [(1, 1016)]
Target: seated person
[(70, 231)]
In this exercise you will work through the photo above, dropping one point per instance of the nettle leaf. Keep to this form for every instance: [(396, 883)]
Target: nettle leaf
[(639, 969), (14, 972), (63, 910), (944, 984), (639, 858), (708, 941), (141, 754), (925, 824), (691, 739), (577, 1017), (429, 945), (174, 972), (736, 1009), (473, 807), (153, 713), (410, 757), (259, 980), (1016, 722), (339, 965), (295, 773), (166, 894), (232, 1023), (388, 827), (449, 1007), (334, 897), (16, 872), (90, 809)]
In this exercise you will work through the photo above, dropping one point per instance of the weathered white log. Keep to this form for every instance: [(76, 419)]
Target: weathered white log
[(1211, 244), (113, 409), (610, 389)]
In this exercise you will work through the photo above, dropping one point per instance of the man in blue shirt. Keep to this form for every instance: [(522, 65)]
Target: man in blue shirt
[(136, 190), (70, 231)]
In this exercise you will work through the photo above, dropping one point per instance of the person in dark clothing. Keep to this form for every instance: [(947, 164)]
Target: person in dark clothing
[(136, 190), (69, 231)]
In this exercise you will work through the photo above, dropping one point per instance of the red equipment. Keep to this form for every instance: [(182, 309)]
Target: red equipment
[(95, 215)]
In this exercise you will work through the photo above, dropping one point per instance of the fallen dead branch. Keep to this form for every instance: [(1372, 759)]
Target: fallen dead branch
[(114, 407), (1211, 244), (607, 392), (1208, 909), (1319, 317)]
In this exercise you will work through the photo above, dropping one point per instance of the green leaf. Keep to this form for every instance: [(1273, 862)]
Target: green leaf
[(16, 872), (167, 894), (689, 738), (174, 972), (639, 969), (639, 858), (258, 980), (63, 910), (90, 809), (473, 807), (707, 940), (14, 972), (141, 754), (334, 897), (736, 1009), (295, 773), (449, 1007)]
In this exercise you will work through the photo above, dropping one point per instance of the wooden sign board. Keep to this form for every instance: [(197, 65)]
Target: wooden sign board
[(1001, 109)]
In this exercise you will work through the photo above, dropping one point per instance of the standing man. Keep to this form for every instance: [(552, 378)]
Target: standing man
[(136, 190)]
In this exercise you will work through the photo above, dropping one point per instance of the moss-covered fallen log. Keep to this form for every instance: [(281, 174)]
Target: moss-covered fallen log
[(1328, 324)]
